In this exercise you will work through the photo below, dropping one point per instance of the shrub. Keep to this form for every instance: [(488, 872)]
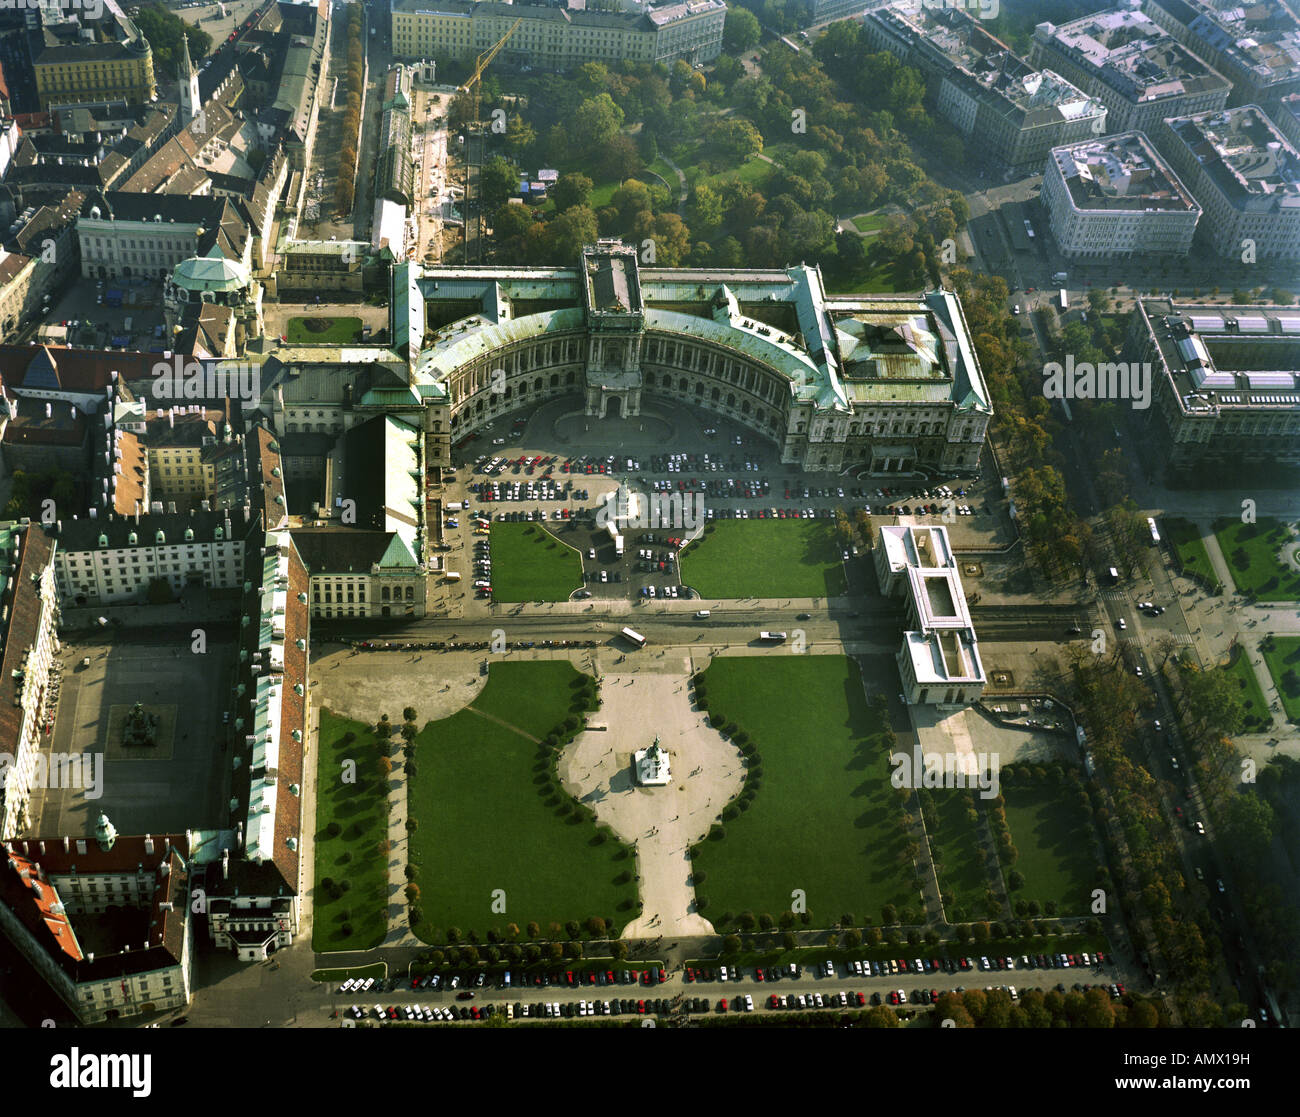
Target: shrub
[(408, 714), (333, 830)]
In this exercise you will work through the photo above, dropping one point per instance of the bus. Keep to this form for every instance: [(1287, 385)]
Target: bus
[(1065, 300), (772, 637), (1155, 535), (635, 637)]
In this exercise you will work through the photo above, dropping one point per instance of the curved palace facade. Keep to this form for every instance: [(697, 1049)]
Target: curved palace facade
[(887, 383)]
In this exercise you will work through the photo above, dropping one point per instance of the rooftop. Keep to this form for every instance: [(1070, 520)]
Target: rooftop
[(1245, 156), (1121, 173), (1134, 56), (1227, 356)]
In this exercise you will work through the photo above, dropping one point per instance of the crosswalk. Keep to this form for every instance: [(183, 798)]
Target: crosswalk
[(1113, 595)]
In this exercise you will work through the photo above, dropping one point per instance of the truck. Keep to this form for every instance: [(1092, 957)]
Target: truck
[(1060, 277), (451, 575), (455, 506)]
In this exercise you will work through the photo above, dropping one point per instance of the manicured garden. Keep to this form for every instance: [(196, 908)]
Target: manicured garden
[(1282, 654), (323, 331), (958, 851), (819, 818), (530, 564), (1052, 862), (765, 558), (350, 902), (498, 842), (1254, 553)]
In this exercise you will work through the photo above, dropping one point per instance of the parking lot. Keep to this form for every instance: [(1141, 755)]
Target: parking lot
[(512, 473), (717, 989)]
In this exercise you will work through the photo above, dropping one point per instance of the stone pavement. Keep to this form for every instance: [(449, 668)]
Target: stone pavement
[(662, 822)]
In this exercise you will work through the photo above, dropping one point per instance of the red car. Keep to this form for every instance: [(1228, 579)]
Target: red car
[(690, 975), (568, 976), (773, 1001), (640, 1007), (722, 1005), (759, 974), (861, 999)]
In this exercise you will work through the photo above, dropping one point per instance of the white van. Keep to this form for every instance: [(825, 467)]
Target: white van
[(451, 575), (702, 614)]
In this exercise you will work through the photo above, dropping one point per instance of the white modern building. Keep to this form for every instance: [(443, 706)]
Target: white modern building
[(939, 662), (1246, 176), (1114, 198)]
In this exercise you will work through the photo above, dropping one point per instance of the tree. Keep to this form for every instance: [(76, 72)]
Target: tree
[(571, 190), (498, 181), (741, 31), (706, 208), (597, 121), (570, 231)]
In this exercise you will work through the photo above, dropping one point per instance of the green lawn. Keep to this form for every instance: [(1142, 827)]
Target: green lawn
[(1282, 658), (825, 818), (360, 807), (550, 687), (487, 820), (1185, 537), (1056, 844), (753, 170), (1252, 697), (958, 855), (869, 222), (322, 330), (530, 564), (765, 558), (1253, 553), (875, 277)]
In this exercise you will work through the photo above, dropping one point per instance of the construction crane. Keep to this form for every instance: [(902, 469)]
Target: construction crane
[(471, 86)]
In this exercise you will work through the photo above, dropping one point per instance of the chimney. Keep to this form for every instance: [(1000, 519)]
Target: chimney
[(66, 846), (225, 864), (148, 843)]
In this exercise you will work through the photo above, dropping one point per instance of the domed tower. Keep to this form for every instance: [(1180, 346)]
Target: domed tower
[(105, 833)]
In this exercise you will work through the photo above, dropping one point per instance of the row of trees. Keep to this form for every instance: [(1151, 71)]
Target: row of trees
[(345, 192), (1168, 916)]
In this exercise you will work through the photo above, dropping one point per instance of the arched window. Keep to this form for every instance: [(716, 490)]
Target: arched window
[(555, 380), (410, 593), (384, 594), (715, 395)]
